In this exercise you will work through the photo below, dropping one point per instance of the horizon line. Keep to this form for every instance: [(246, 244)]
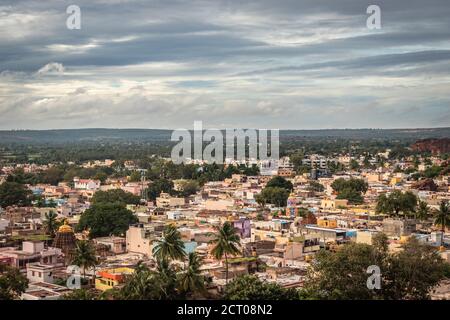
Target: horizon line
[(171, 129)]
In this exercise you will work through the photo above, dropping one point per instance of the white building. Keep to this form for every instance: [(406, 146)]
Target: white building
[(174, 215), (3, 224), (317, 161), (37, 272), (86, 184)]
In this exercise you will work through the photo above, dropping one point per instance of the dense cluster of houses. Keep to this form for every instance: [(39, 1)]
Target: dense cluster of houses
[(280, 239)]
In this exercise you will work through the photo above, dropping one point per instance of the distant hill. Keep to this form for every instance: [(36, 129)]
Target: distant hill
[(162, 136), (435, 146)]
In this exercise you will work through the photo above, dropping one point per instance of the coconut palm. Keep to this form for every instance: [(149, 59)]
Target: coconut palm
[(226, 242), (139, 286), (422, 211), (443, 215), (165, 280), (50, 224), (84, 256), (191, 280), (170, 246)]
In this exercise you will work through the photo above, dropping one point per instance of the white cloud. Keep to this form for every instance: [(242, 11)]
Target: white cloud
[(51, 68)]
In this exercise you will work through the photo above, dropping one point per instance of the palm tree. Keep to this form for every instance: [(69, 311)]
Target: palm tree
[(165, 280), (422, 211), (443, 215), (170, 246), (191, 280), (140, 285), (226, 241), (50, 223), (84, 256), (146, 284)]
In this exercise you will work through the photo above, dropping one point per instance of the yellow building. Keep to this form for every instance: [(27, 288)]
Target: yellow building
[(267, 235), (334, 203), (327, 223), (396, 180), (110, 278)]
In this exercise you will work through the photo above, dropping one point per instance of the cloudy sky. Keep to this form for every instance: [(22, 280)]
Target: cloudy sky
[(266, 64)]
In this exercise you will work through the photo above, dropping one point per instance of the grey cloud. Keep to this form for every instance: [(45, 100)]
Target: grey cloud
[(289, 63)]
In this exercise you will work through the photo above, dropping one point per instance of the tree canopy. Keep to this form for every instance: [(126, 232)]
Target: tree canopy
[(14, 193), (274, 195), (249, 287), (158, 186), (280, 182), (105, 219), (189, 187), (115, 196), (351, 189), (12, 283), (397, 203), (407, 274)]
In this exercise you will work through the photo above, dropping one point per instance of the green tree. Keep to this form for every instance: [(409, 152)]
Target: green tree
[(138, 286), (381, 243), (354, 165), (353, 196), (351, 189), (412, 273), (80, 294), (260, 199), (158, 186), (189, 187), (280, 182), (342, 274), (226, 242), (315, 186), (53, 176), (423, 211), (249, 287), (135, 176), (432, 172), (357, 184), (303, 212), (397, 203), (165, 281), (102, 176), (105, 219), (13, 193), (84, 256), (297, 161), (366, 161), (443, 215), (50, 223), (19, 176), (170, 246), (115, 196), (191, 281), (12, 283), (408, 274), (274, 195)]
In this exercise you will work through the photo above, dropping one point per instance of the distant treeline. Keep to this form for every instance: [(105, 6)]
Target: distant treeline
[(80, 145), (162, 136)]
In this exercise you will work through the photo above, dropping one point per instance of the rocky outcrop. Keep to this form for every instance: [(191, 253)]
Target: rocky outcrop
[(435, 146), (425, 185)]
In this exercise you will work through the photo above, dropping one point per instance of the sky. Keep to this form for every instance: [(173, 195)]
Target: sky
[(278, 64)]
